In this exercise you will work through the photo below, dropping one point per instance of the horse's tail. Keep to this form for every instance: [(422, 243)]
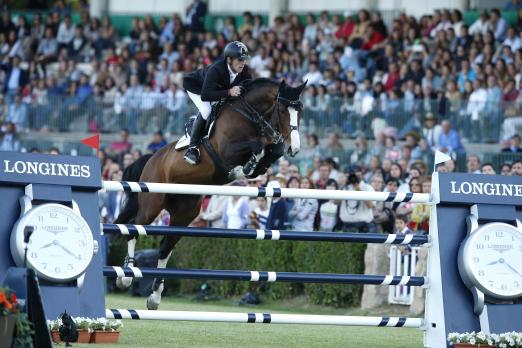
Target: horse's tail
[(130, 207)]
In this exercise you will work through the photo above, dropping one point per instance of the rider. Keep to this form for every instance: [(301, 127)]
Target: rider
[(213, 83)]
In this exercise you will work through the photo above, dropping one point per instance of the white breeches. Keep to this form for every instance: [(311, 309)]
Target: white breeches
[(204, 107)]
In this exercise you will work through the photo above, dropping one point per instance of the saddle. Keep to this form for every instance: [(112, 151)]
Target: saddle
[(184, 141)]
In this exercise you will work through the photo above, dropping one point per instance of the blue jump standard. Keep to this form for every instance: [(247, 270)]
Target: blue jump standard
[(114, 271), (136, 230)]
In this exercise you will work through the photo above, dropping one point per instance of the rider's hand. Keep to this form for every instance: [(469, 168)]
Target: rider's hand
[(234, 91)]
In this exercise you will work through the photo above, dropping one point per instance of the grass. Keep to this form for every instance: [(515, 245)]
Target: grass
[(158, 334)]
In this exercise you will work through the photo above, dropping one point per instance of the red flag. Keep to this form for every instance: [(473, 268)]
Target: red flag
[(93, 141)]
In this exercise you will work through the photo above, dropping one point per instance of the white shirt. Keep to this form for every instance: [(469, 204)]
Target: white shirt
[(65, 35), (477, 103), (232, 74), (14, 78), (356, 211)]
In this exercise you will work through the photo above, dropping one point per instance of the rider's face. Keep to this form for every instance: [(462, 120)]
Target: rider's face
[(237, 65)]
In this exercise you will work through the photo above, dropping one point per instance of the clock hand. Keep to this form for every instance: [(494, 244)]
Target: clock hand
[(512, 268), (47, 245), (66, 250), (492, 263)]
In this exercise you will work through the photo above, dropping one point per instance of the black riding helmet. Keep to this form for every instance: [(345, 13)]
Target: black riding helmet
[(236, 49)]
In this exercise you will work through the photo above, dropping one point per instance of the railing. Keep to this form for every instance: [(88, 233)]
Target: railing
[(479, 122), (403, 261)]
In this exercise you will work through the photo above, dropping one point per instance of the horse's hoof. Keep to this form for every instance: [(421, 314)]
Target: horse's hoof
[(123, 282), (153, 302), (236, 173)]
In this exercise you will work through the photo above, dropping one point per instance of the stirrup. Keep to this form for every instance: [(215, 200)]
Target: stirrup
[(188, 159)]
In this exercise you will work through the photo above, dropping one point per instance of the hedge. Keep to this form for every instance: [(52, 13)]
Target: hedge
[(237, 254)]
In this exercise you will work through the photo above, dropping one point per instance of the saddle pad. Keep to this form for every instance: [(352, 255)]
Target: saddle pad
[(184, 141)]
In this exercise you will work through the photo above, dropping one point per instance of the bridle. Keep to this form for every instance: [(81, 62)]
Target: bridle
[(260, 119)]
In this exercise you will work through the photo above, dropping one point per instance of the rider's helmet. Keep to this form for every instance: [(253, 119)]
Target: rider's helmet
[(236, 49)]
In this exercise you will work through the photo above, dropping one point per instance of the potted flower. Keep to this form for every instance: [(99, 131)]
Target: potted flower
[(106, 331), (14, 323), (83, 325), (471, 339), (508, 340), (54, 327)]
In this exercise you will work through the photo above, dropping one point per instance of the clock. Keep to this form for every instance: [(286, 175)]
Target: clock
[(61, 246), (490, 261)]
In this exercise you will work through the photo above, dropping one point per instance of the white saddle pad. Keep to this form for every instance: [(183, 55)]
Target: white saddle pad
[(184, 141)]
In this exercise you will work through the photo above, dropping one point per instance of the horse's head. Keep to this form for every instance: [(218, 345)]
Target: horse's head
[(276, 108), (288, 114)]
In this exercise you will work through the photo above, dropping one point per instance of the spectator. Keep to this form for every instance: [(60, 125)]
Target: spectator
[(304, 210), (175, 100), (79, 46), (449, 141), (498, 25), (278, 215), (401, 225), (324, 175), (476, 106), (516, 168), (487, 168), (213, 214), (259, 215), (383, 215), (123, 145), (314, 76), (18, 113), (158, 141), (393, 153), (47, 48), (15, 78), (356, 215), (66, 32), (195, 16), (505, 169), (328, 210), (113, 201), (9, 140), (236, 212), (473, 164), (514, 144)]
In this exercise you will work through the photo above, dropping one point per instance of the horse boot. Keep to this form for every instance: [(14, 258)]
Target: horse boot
[(192, 153)]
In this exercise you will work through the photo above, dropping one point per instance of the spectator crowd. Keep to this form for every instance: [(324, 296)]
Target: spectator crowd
[(433, 83)]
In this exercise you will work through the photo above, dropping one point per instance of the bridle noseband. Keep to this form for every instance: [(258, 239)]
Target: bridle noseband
[(259, 119)]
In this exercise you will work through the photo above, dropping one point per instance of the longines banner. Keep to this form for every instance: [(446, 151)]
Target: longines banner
[(50, 169), (480, 188)]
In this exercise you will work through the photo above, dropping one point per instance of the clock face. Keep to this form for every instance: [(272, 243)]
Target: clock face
[(61, 246), (492, 258)]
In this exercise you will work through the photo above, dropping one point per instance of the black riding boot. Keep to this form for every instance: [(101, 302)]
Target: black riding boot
[(192, 154)]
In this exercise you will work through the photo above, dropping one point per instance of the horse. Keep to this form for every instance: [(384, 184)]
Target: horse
[(251, 132)]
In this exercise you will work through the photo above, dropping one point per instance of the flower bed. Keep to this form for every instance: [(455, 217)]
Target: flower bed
[(481, 339)]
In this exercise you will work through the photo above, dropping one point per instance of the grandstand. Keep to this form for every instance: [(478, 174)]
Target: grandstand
[(385, 86)]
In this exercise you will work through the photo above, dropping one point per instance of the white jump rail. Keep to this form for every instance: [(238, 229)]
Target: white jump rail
[(127, 186), (264, 318)]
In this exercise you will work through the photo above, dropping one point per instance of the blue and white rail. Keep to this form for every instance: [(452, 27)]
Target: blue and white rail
[(264, 318), (255, 276), (147, 230)]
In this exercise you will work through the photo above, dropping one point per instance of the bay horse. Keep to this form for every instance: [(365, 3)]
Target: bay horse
[(250, 134)]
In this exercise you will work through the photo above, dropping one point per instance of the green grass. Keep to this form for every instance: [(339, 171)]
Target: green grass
[(157, 334)]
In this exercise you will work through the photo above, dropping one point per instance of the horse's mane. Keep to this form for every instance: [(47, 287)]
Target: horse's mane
[(259, 82)]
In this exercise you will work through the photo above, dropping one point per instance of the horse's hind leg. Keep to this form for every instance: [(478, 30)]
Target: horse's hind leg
[(150, 205), (182, 211)]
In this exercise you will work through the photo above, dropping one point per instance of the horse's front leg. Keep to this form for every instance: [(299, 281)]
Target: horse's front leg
[(248, 169)]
